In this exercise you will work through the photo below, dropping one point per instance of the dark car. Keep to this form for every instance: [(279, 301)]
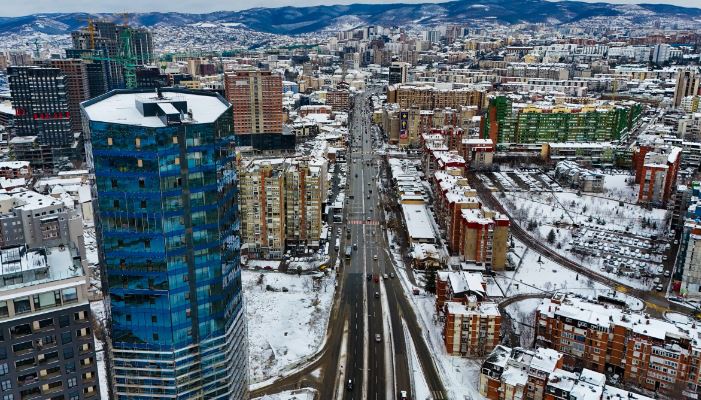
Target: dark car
[(349, 385), (369, 277)]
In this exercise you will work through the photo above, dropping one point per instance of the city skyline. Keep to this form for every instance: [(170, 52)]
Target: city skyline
[(205, 6)]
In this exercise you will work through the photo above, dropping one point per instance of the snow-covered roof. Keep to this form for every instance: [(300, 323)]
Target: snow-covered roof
[(418, 222), (119, 107)]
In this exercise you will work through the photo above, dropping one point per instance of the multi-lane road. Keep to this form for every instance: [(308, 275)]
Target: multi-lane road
[(367, 303)]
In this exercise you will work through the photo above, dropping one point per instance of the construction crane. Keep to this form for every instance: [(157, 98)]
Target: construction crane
[(91, 30), (126, 55)]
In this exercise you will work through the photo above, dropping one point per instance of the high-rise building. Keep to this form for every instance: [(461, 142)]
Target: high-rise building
[(40, 98), (167, 221), (688, 81), (77, 87), (256, 97), (398, 73), (48, 347), (281, 205), (106, 42)]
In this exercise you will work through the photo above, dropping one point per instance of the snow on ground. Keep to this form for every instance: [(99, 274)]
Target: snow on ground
[(299, 394), (523, 317), (536, 274), (460, 375), (419, 384), (607, 222), (287, 319), (618, 187)]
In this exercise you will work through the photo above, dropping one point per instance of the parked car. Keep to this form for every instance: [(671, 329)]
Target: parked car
[(659, 288), (378, 337)]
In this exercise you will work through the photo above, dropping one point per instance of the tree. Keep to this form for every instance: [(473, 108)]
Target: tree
[(551, 236), (430, 285)]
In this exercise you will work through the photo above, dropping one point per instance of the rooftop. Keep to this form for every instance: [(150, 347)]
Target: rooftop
[(121, 106)]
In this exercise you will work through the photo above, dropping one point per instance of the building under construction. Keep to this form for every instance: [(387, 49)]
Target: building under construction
[(534, 124), (113, 52)]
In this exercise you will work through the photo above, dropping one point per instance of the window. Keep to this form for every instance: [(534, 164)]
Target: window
[(3, 369), (114, 183), (64, 321), (66, 337), (5, 385), (68, 353), (72, 382), (8, 397), (155, 336), (139, 163), (177, 160), (22, 305), (143, 203), (115, 203), (4, 311), (109, 141), (147, 243), (154, 319), (70, 295), (137, 142), (142, 182), (175, 140)]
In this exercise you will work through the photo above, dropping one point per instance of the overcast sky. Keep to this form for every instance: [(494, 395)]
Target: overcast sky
[(11, 8)]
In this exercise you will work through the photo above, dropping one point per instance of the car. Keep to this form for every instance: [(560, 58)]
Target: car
[(385, 276), (370, 191), (377, 278), (375, 256), (666, 274), (369, 277), (355, 246), (368, 197), (356, 175), (659, 288), (349, 384), (391, 275), (403, 395), (377, 295), (368, 218), (378, 337)]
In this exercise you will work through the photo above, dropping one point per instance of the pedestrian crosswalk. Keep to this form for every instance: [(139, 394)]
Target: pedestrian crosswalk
[(362, 221)]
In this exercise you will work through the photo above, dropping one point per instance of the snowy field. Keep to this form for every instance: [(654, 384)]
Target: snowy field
[(536, 274), (609, 237), (300, 394), (287, 319)]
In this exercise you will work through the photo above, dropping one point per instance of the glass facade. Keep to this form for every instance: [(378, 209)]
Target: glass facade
[(168, 231)]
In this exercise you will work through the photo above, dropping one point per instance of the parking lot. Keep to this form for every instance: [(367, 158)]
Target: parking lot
[(636, 257)]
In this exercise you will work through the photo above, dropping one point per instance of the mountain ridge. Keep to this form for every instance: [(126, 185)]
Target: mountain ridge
[(293, 20)]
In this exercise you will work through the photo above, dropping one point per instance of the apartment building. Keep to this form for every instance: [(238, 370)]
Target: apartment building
[(477, 234), (429, 97), (514, 374), (48, 346), (471, 329), (478, 153), (256, 97), (37, 220), (262, 203), (281, 205), (15, 169), (536, 124), (571, 174), (338, 99), (649, 353), (658, 175), (591, 154), (687, 84), (77, 87)]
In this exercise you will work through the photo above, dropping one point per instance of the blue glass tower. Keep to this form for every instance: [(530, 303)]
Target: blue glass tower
[(168, 233)]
